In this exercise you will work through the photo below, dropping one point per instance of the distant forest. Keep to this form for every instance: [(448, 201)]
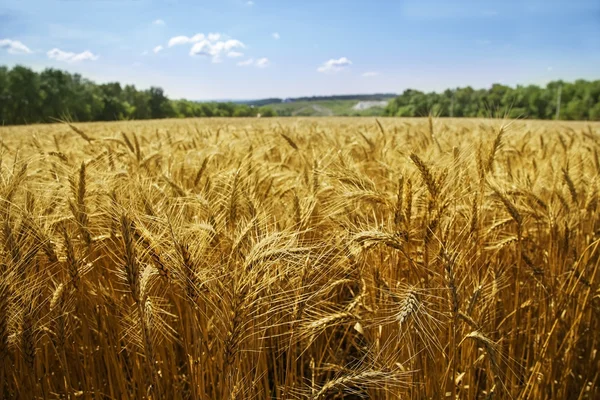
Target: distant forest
[(558, 100), (29, 97)]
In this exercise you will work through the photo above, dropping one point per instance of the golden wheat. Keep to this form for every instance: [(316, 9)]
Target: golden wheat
[(300, 258)]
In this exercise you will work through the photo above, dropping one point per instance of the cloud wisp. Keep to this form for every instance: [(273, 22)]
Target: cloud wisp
[(179, 40), (70, 57), (334, 65), (14, 46), (215, 50), (260, 63), (214, 45), (370, 74)]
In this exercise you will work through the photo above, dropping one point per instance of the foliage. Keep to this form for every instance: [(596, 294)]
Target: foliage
[(578, 101), (260, 102), (29, 97)]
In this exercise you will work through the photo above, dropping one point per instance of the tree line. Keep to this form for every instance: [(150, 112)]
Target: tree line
[(579, 100), (29, 97)]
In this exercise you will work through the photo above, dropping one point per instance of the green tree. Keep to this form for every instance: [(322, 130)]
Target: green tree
[(243, 111), (114, 106), (30, 97), (266, 112), (160, 106), (141, 104), (594, 112), (24, 96), (4, 97), (56, 93)]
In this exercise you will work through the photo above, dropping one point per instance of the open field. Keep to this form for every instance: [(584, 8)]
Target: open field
[(324, 108), (300, 259)]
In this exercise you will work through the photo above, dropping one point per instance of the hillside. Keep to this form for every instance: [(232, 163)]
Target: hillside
[(326, 106), (320, 108)]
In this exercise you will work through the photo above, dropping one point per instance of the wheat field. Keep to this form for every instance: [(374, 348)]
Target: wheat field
[(300, 259)]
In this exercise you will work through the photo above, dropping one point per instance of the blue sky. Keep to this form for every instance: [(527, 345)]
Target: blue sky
[(240, 49)]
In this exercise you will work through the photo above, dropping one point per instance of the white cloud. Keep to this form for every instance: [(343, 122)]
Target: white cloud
[(215, 50), (177, 40), (262, 62), (246, 63), (250, 3), (158, 22), (334, 65), (213, 45), (157, 49), (198, 37), (67, 56), (14, 46), (276, 35), (370, 74), (86, 55)]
